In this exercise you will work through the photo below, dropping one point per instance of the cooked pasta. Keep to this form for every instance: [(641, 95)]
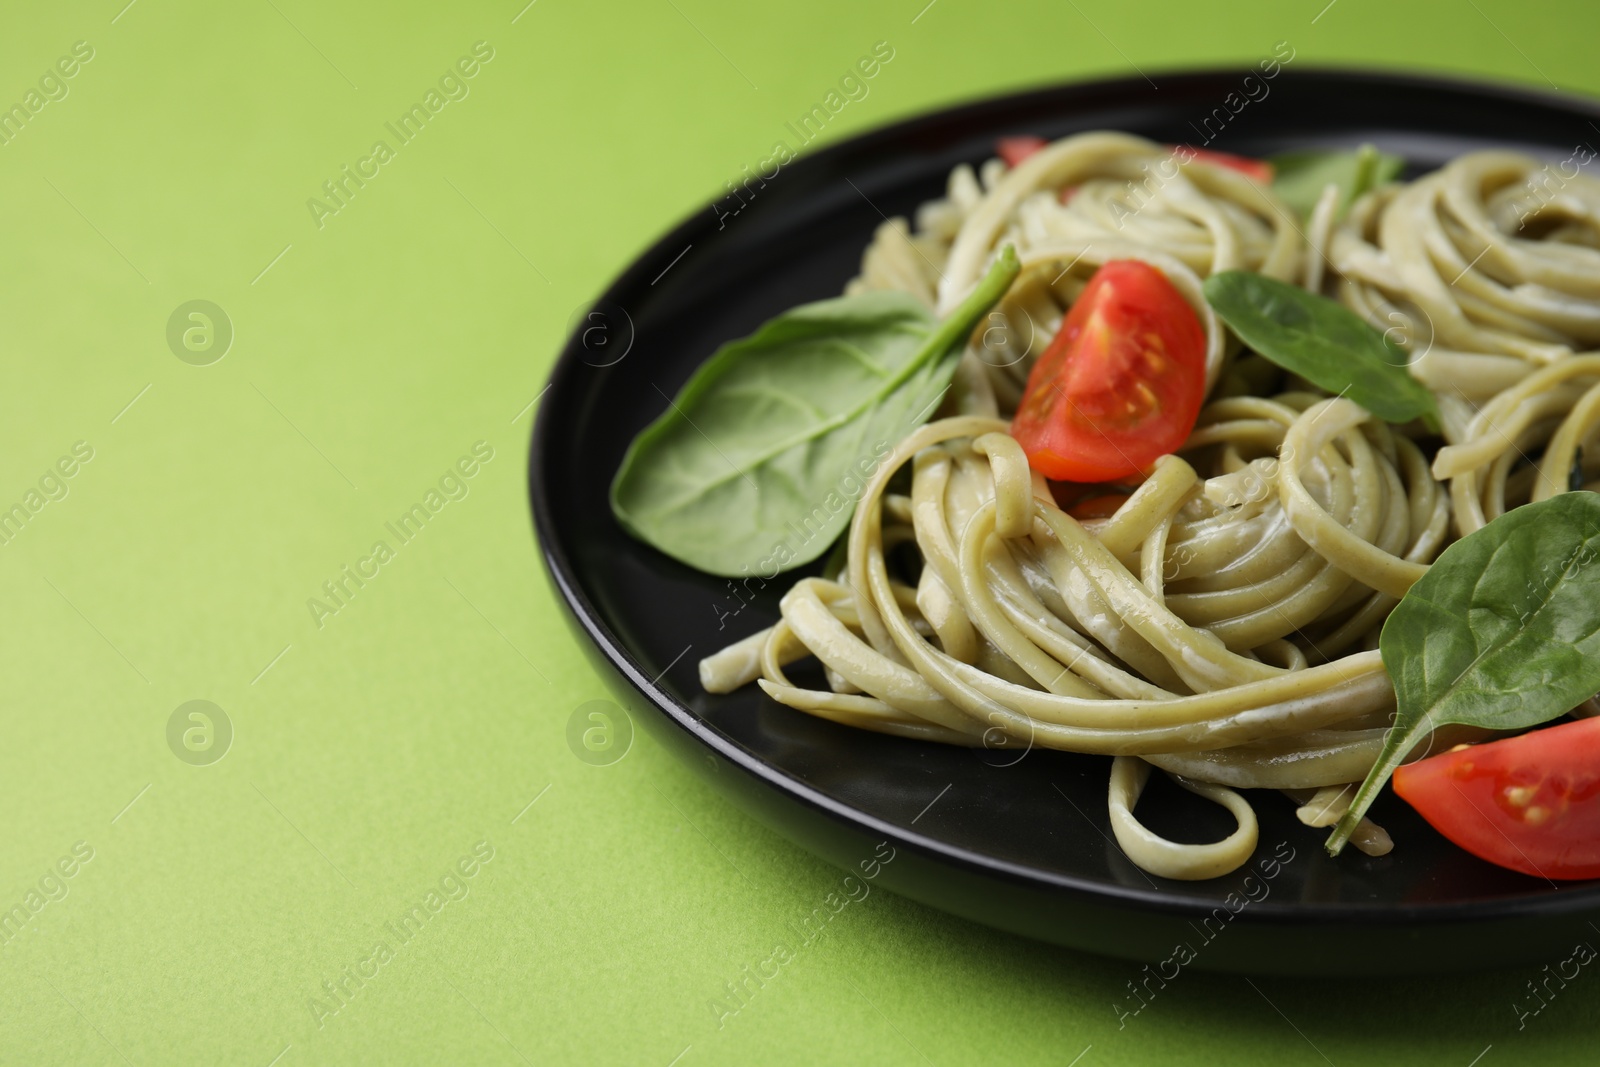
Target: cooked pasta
[(1221, 625)]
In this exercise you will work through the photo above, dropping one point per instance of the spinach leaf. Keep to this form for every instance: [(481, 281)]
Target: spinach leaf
[(1503, 632), (757, 464), (1322, 341), (1299, 177)]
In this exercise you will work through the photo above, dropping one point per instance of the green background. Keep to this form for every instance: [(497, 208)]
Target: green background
[(372, 752)]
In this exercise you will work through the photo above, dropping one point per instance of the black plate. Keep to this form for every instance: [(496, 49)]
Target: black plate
[(1026, 847)]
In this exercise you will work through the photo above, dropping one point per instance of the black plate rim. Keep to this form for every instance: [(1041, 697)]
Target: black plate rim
[(1564, 900)]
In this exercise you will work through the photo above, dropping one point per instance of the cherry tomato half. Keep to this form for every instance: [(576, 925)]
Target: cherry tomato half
[(1120, 384), (1530, 803)]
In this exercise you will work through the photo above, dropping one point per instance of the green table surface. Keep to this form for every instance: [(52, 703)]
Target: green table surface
[(380, 750)]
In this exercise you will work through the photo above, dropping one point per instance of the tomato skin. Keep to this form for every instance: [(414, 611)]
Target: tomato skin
[(1121, 383), (1258, 169), (1530, 803)]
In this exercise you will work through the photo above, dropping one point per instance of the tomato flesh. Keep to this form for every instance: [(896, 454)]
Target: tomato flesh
[(1121, 383), (1530, 803)]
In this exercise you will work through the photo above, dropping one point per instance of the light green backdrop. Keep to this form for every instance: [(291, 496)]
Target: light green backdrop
[(373, 752)]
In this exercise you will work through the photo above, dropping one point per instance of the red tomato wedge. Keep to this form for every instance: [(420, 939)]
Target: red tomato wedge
[(1259, 169), (1530, 803), (1121, 383), (1016, 149), (1098, 507), (1085, 502)]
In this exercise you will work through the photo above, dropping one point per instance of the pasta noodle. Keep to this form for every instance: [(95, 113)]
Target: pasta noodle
[(1222, 624)]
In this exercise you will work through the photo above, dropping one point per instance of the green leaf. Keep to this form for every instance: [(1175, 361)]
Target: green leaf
[(756, 466), (1503, 632), (1321, 341), (1299, 177)]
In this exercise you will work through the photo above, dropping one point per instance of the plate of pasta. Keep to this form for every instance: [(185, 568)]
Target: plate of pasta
[(1150, 525)]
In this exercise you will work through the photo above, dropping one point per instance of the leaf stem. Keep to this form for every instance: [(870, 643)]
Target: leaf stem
[(991, 287), (1394, 751)]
